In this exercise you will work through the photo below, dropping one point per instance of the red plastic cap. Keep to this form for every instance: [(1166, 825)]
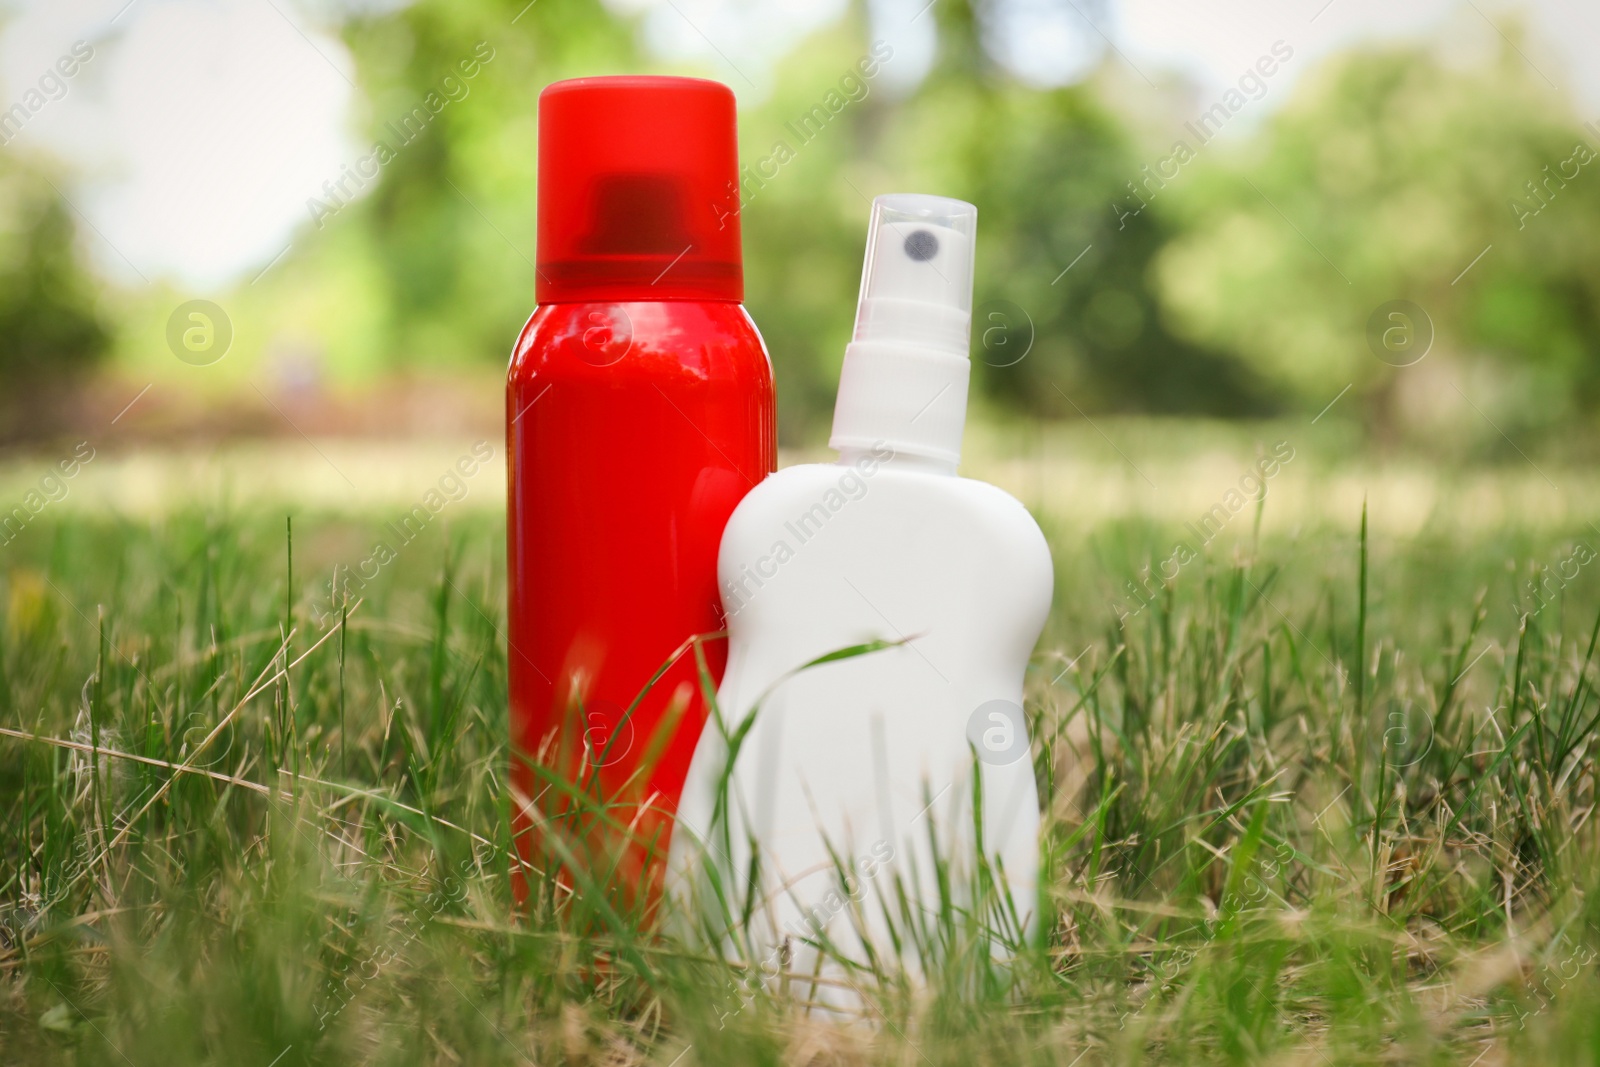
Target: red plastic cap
[(638, 191)]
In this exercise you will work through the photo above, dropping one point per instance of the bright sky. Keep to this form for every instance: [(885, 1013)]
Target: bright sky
[(197, 129)]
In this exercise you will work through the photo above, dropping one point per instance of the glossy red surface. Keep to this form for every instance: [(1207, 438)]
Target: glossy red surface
[(633, 430), (638, 193)]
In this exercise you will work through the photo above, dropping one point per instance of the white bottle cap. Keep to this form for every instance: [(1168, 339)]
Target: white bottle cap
[(904, 382)]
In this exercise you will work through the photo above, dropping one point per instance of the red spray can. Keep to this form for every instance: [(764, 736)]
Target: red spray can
[(639, 408)]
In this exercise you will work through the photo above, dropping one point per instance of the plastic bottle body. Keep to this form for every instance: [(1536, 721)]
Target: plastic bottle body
[(633, 430), (866, 763)]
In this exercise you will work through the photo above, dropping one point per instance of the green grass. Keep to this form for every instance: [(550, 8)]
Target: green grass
[(1320, 801)]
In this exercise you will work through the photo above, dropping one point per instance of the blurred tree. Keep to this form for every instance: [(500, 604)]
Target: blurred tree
[(51, 327), (1045, 168), (805, 225), (1387, 177), (451, 222)]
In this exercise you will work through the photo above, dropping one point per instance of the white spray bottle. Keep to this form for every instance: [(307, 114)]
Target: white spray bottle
[(854, 781)]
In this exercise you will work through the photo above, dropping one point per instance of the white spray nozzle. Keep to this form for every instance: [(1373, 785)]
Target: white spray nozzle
[(904, 381), (916, 285)]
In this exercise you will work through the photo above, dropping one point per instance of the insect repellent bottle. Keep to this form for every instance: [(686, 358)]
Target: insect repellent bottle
[(881, 614), (639, 410)]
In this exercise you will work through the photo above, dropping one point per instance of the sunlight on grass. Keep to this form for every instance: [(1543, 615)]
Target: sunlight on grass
[(1323, 795), (1083, 474)]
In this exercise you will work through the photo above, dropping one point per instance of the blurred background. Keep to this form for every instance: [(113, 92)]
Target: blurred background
[(300, 233)]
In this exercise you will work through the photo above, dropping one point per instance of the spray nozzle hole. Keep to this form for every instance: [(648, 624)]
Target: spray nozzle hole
[(922, 245)]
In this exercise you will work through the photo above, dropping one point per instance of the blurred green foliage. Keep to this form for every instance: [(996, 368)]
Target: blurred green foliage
[(1045, 168), (449, 225), (452, 222), (1246, 288), (1385, 178), (51, 326)]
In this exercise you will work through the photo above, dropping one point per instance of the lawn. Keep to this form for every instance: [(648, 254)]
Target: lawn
[(1323, 797)]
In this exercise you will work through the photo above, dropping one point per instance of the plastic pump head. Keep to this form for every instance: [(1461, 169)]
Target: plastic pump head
[(916, 285), (904, 382)]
